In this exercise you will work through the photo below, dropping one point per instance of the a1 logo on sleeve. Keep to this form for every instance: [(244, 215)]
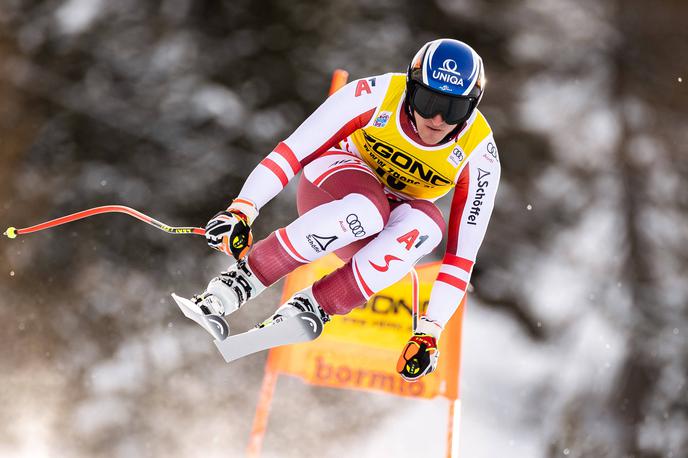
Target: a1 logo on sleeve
[(456, 156), (363, 87)]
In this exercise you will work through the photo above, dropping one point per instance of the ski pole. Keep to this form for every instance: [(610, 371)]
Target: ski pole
[(13, 232), (415, 298), (339, 79)]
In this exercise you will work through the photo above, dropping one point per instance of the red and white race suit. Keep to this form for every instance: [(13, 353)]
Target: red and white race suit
[(367, 193)]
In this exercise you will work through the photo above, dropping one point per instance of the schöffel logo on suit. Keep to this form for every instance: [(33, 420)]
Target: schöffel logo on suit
[(448, 73), (320, 243), (477, 203)]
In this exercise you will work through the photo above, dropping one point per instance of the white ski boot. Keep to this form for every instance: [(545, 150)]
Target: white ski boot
[(230, 290), (224, 295), (303, 301)]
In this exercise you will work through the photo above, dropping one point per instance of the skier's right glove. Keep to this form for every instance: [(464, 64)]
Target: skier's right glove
[(419, 356), (229, 231)]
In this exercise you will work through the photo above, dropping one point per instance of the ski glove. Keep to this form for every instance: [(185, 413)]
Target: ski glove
[(229, 231), (419, 356)]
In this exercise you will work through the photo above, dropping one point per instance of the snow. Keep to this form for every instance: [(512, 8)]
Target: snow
[(75, 16), (28, 417), (500, 368), (124, 373), (511, 384), (99, 414), (219, 103), (165, 351)]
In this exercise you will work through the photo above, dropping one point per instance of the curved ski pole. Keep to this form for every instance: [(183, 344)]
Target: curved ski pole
[(415, 298), (13, 232)]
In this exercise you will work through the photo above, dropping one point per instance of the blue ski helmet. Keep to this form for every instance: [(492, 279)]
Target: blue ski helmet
[(447, 77)]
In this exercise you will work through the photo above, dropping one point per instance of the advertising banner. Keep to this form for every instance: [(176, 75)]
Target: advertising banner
[(359, 350)]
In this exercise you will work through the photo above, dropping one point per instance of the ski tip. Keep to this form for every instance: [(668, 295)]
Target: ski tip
[(184, 304), (216, 325), (11, 233)]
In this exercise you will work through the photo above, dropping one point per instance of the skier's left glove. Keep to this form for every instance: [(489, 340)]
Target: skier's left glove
[(229, 231), (419, 356)]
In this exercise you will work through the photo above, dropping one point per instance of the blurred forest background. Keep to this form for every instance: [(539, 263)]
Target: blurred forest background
[(576, 336)]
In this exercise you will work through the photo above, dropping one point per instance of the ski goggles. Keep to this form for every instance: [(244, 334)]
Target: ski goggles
[(429, 103)]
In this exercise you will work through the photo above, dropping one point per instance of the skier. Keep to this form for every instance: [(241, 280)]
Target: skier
[(374, 156)]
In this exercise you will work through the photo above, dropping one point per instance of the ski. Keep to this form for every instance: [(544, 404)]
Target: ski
[(215, 324), (284, 330), (302, 327)]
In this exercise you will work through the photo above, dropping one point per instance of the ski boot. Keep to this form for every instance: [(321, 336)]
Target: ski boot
[(230, 290), (303, 301), (224, 295)]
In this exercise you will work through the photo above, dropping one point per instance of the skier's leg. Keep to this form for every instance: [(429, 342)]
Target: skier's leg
[(341, 203), (351, 208), (414, 229), (336, 186)]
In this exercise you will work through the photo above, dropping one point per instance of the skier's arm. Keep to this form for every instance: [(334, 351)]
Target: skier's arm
[(346, 111), (471, 208)]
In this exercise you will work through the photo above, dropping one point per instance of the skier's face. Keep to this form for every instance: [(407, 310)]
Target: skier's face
[(432, 130)]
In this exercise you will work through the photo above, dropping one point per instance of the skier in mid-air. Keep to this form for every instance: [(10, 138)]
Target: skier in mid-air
[(374, 156)]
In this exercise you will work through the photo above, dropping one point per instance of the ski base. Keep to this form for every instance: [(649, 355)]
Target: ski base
[(301, 327)]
